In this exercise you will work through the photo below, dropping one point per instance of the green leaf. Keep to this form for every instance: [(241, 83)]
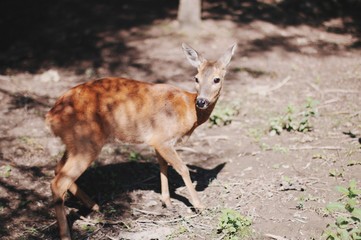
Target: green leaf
[(351, 204), (342, 221), (342, 190), (333, 206), (343, 234), (356, 213), (352, 184)]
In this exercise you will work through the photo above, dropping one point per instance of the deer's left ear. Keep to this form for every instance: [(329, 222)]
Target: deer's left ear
[(226, 58), (194, 58)]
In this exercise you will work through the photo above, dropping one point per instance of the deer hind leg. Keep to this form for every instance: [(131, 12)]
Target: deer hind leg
[(168, 153), (74, 188), (72, 168), (164, 180)]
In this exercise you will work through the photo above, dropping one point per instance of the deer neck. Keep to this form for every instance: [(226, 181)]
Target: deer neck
[(204, 114)]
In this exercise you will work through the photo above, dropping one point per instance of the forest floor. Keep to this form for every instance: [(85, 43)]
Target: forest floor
[(243, 161)]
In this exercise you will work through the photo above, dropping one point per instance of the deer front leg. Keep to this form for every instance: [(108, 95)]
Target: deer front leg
[(168, 153), (164, 180)]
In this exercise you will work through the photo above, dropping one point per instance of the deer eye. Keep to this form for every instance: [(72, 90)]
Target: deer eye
[(196, 79), (216, 80)]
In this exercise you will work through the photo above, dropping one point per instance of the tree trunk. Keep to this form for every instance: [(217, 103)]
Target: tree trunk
[(189, 13)]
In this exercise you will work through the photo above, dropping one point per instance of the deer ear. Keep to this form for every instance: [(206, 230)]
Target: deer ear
[(226, 58), (192, 55)]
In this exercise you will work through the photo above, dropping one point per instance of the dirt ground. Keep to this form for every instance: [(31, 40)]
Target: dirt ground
[(287, 55)]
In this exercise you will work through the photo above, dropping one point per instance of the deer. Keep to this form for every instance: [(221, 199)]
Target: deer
[(88, 115)]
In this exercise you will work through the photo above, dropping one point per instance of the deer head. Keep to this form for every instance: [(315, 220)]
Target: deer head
[(210, 76)]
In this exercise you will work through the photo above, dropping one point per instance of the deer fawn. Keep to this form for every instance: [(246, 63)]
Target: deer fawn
[(90, 114)]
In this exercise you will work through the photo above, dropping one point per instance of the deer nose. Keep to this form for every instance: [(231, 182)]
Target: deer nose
[(202, 103)]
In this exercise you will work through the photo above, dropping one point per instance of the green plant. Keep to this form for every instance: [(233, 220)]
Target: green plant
[(88, 228), (303, 199), (32, 230), (181, 230), (6, 171), (233, 225), (346, 213), (275, 148), (335, 173), (223, 114), (255, 133), (135, 156), (293, 120)]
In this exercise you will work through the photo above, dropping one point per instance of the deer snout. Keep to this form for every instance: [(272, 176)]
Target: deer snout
[(202, 103)]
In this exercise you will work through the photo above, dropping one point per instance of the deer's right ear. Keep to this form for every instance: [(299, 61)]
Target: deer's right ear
[(193, 57)]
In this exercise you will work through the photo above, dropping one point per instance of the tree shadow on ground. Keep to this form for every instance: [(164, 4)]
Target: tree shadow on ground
[(43, 34), (344, 13), (80, 35), (291, 12)]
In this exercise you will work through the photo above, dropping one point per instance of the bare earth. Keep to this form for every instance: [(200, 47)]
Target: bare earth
[(282, 182)]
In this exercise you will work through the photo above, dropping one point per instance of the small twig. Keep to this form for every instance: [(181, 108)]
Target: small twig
[(263, 90), (94, 232), (300, 220), (108, 222), (89, 221), (48, 226), (148, 212), (222, 236), (316, 147), (341, 91), (315, 87), (186, 149), (326, 103), (201, 225), (275, 237), (216, 137), (111, 238), (140, 182), (167, 221), (281, 84)]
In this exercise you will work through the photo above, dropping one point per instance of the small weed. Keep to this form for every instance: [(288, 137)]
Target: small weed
[(303, 199), (294, 120), (265, 147), (135, 156), (24, 203), (32, 231), (27, 140), (109, 210), (233, 225), (255, 133), (275, 148), (276, 166), (287, 179), (181, 230), (346, 213), (224, 114), (88, 228), (6, 171), (319, 156), (335, 173), (31, 142), (279, 148)]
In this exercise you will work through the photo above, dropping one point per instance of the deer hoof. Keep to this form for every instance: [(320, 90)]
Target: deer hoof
[(96, 208)]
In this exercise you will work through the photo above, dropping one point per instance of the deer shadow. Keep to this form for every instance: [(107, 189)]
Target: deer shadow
[(109, 185)]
